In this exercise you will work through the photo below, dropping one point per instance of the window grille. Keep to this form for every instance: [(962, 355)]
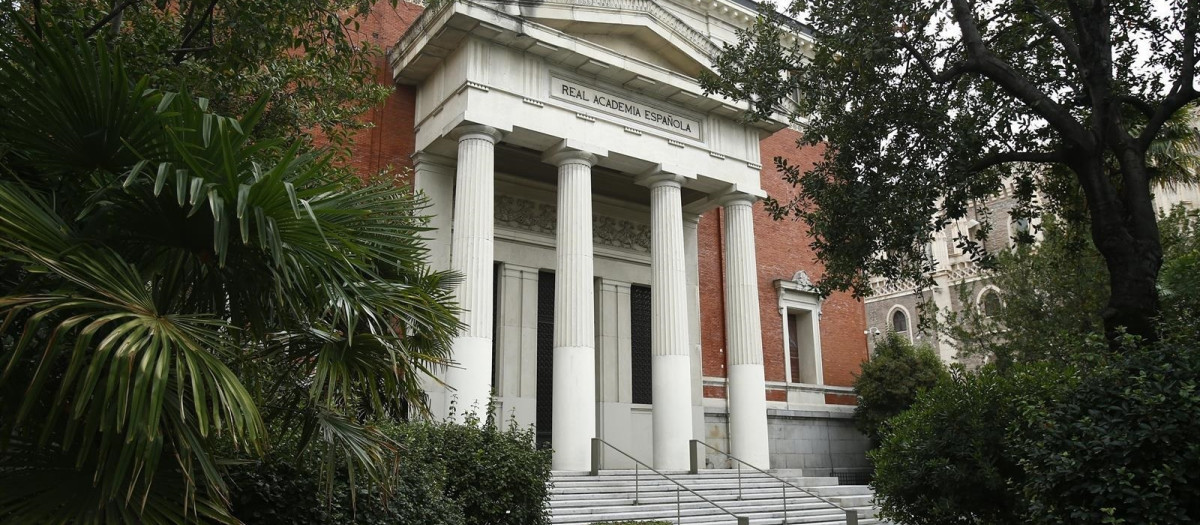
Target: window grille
[(545, 358), (639, 313)]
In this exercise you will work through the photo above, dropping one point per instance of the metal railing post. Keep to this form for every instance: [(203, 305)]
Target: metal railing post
[(694, 456), (678, 512), (636, 489), (596, 456), (739, 481), (784, 487), (851, 517)]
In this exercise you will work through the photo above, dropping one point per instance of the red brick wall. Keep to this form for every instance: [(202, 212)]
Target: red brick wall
[(391, 139), (782, 248)]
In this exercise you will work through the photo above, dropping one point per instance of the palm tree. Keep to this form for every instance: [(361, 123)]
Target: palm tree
[(176, 292)]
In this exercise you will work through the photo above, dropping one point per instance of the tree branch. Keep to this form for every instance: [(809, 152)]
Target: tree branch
[(1058, 31), (949, 74), (115, 13), (1008, 79), (996, 159), (187, 39), (1138, 104), (1183, 92)]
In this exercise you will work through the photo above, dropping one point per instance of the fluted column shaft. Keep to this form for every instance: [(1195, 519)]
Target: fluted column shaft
[(574, 396), (472, 253), (746, 383), (670, 354)]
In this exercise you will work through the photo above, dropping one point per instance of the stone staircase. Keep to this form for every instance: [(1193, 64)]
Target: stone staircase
[(579, 499)]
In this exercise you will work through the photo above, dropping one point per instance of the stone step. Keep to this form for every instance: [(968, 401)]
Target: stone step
[(603, 498), (577, 498)]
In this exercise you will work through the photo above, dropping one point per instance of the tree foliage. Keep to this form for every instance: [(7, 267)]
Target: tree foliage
[(1120, 446), (891, 380), (948, 459), (306, 56), (180, 288), (925, 107), (1051, 295)]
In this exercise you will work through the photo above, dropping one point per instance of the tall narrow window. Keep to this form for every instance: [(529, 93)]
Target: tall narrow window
[(639, 314), (899, 322), (545, 358), (802, 347), (990, 303)]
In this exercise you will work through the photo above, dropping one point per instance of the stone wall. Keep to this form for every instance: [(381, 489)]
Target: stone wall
[(814, 441)]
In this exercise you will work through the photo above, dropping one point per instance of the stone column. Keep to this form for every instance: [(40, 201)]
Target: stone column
[(669, 342), (434, 176), (574, 396), (746, 383), (472, 255)]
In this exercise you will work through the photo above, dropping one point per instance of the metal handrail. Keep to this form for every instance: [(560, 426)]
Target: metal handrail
[(851, 515), (597, 447)]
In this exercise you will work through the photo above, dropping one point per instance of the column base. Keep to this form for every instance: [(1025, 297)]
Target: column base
[(470, 377), (748, 415), (672, 410), (574, 407)]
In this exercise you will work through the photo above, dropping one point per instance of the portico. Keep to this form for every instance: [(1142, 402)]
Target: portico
[(566, 175)]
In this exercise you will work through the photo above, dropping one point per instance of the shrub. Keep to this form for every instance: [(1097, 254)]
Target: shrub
[(277, 493), (890, 381), (496, 475), (946, 460), (446, 474), (1121, 447)]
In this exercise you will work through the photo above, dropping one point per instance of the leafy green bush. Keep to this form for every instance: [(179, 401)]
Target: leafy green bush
[(445, 474), (1121, 447), (947, 459), (496, 475), (277, 493), (890, 381)]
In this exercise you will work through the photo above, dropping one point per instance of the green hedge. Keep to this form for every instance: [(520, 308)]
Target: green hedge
[(889, 383), (1121, 447), (1112, 439), (447, 474), (496, 475)]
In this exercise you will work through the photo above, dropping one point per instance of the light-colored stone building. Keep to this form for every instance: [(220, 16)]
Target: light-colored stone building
[(620, 280), (958, 282)]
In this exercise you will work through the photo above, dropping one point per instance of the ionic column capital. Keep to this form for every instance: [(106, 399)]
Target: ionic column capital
[(475, 132)]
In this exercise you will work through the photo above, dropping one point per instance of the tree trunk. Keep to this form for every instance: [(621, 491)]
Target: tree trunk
[(1133, 254), (1133, 305), (1125, 231)]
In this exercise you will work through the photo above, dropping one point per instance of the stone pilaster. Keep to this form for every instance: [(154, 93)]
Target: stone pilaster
[(472, 252), (670, 344), (574, 394), (746, 383)]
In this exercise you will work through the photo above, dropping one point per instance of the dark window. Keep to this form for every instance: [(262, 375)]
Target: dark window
[(639, 313), (497, 272), (990, 303), (545, 358), (899, 322)]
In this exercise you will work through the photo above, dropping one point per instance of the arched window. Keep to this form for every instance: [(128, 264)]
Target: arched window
[(989, 303), (899, 321)]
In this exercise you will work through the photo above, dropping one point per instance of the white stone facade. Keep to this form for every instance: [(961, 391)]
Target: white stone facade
[(570, 140)]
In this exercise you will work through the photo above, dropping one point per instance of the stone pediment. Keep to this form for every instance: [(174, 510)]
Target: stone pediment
[(638, 30), (639, 43)]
